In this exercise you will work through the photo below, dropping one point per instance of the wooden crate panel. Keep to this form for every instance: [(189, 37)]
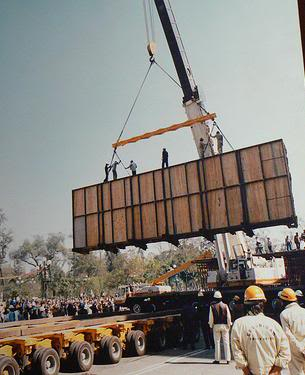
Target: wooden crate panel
[(161, 219), (106, 196), (108, 227), (91, 199), (196, 213), (127, 191), (149, 221), (178, 181), (118, 194), (192, 177), (79, 202), (279, 198), (251, 164), (137, 223), (119, 225), (213, 173), (135, 190), (234, 205), (147, 188), (257, 203), (240, 190), (80, 232), (182, 215), (229, 167), (217, 209), (158, 185), (92, 230)]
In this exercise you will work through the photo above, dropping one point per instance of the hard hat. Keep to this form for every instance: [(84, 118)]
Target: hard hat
[(288, 294), (254, 293), (217, 294), (299, 293)]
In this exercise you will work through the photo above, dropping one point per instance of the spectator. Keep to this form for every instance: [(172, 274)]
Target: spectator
[(297, 241), (288, 243)]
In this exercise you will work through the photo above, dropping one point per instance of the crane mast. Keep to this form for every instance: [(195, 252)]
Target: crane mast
[(191, 100)]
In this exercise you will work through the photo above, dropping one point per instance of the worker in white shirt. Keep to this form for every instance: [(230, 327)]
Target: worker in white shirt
[(220, 322), (259, 344), (133, 167), (293, 323)]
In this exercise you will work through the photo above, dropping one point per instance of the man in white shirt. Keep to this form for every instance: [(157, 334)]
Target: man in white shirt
[(220, 322), (133, 167)]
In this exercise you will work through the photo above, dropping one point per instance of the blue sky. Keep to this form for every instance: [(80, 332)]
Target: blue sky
[(69, 71)]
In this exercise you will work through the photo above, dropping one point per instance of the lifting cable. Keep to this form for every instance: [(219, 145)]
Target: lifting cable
[(131, 109), (206, 112)]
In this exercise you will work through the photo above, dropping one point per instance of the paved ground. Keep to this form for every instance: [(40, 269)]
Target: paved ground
[(170, 361)]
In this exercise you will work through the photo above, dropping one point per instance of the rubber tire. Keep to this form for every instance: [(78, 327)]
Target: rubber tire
[(9, 363), (35, 357), (40, 366), (77, 355), (158, 340), (136, 308), (175, 335), (112, 350), (138, 343)]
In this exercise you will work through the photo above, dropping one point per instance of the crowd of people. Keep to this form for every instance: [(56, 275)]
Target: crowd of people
[(36, 308), (291, 243)]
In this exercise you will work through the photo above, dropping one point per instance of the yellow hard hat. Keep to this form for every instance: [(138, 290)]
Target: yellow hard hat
[(288, 294), (254, 293)]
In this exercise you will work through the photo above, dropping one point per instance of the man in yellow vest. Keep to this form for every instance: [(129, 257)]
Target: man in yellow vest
[(293, 323), (259, 344)]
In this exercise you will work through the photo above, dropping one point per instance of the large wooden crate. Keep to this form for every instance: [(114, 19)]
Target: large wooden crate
[(239, 190)]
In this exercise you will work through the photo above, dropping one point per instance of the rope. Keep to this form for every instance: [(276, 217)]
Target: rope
[(120, 160), (171, 77), (146, 21), (132, 107)]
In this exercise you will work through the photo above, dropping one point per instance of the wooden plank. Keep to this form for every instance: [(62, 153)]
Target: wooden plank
[(234, 204), (92, 230), (91, 199), (106, 196), (135, 189), (119, 225), (118, 197), (217, 209), (230, 171), (196, 210), (129, 223), (161, 219), (79, 203), (158, 185), (257, 203), (80, 232), (170, 217), (182, 217), (108, 227), (279, 199), (149, 221), (213, 175), (192, 177), (147, 187), (137, 223), (178, 181), (273, 159), (251, 164), (127, 191)]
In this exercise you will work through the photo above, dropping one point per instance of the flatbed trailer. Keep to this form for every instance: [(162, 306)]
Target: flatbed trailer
[(43, 347)]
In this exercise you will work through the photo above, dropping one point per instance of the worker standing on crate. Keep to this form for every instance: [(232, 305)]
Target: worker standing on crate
[(293, 323), (164, 158), (220, 321), (107, 170), (133, 167), (259, 344), (219, 139), (114, 171)]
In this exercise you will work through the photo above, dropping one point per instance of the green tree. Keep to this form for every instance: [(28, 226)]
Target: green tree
[(6, 238)]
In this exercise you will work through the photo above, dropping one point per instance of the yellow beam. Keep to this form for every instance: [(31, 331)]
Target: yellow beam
[(160, 131)]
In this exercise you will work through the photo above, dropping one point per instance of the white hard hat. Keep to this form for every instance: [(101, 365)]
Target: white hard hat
[(299, 293), (217, 294)]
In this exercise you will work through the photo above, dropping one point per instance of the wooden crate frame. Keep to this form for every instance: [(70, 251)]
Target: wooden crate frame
[(239, 190)]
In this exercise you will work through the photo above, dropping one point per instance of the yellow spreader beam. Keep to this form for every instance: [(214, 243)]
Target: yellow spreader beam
[(160, 131)]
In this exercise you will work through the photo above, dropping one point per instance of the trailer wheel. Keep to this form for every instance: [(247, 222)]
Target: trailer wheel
[(136, 308), (175, 335), (82, 355), (9, 366), (36, 355), (47, 362), (137, 344), (112, 349), (158, 340)]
